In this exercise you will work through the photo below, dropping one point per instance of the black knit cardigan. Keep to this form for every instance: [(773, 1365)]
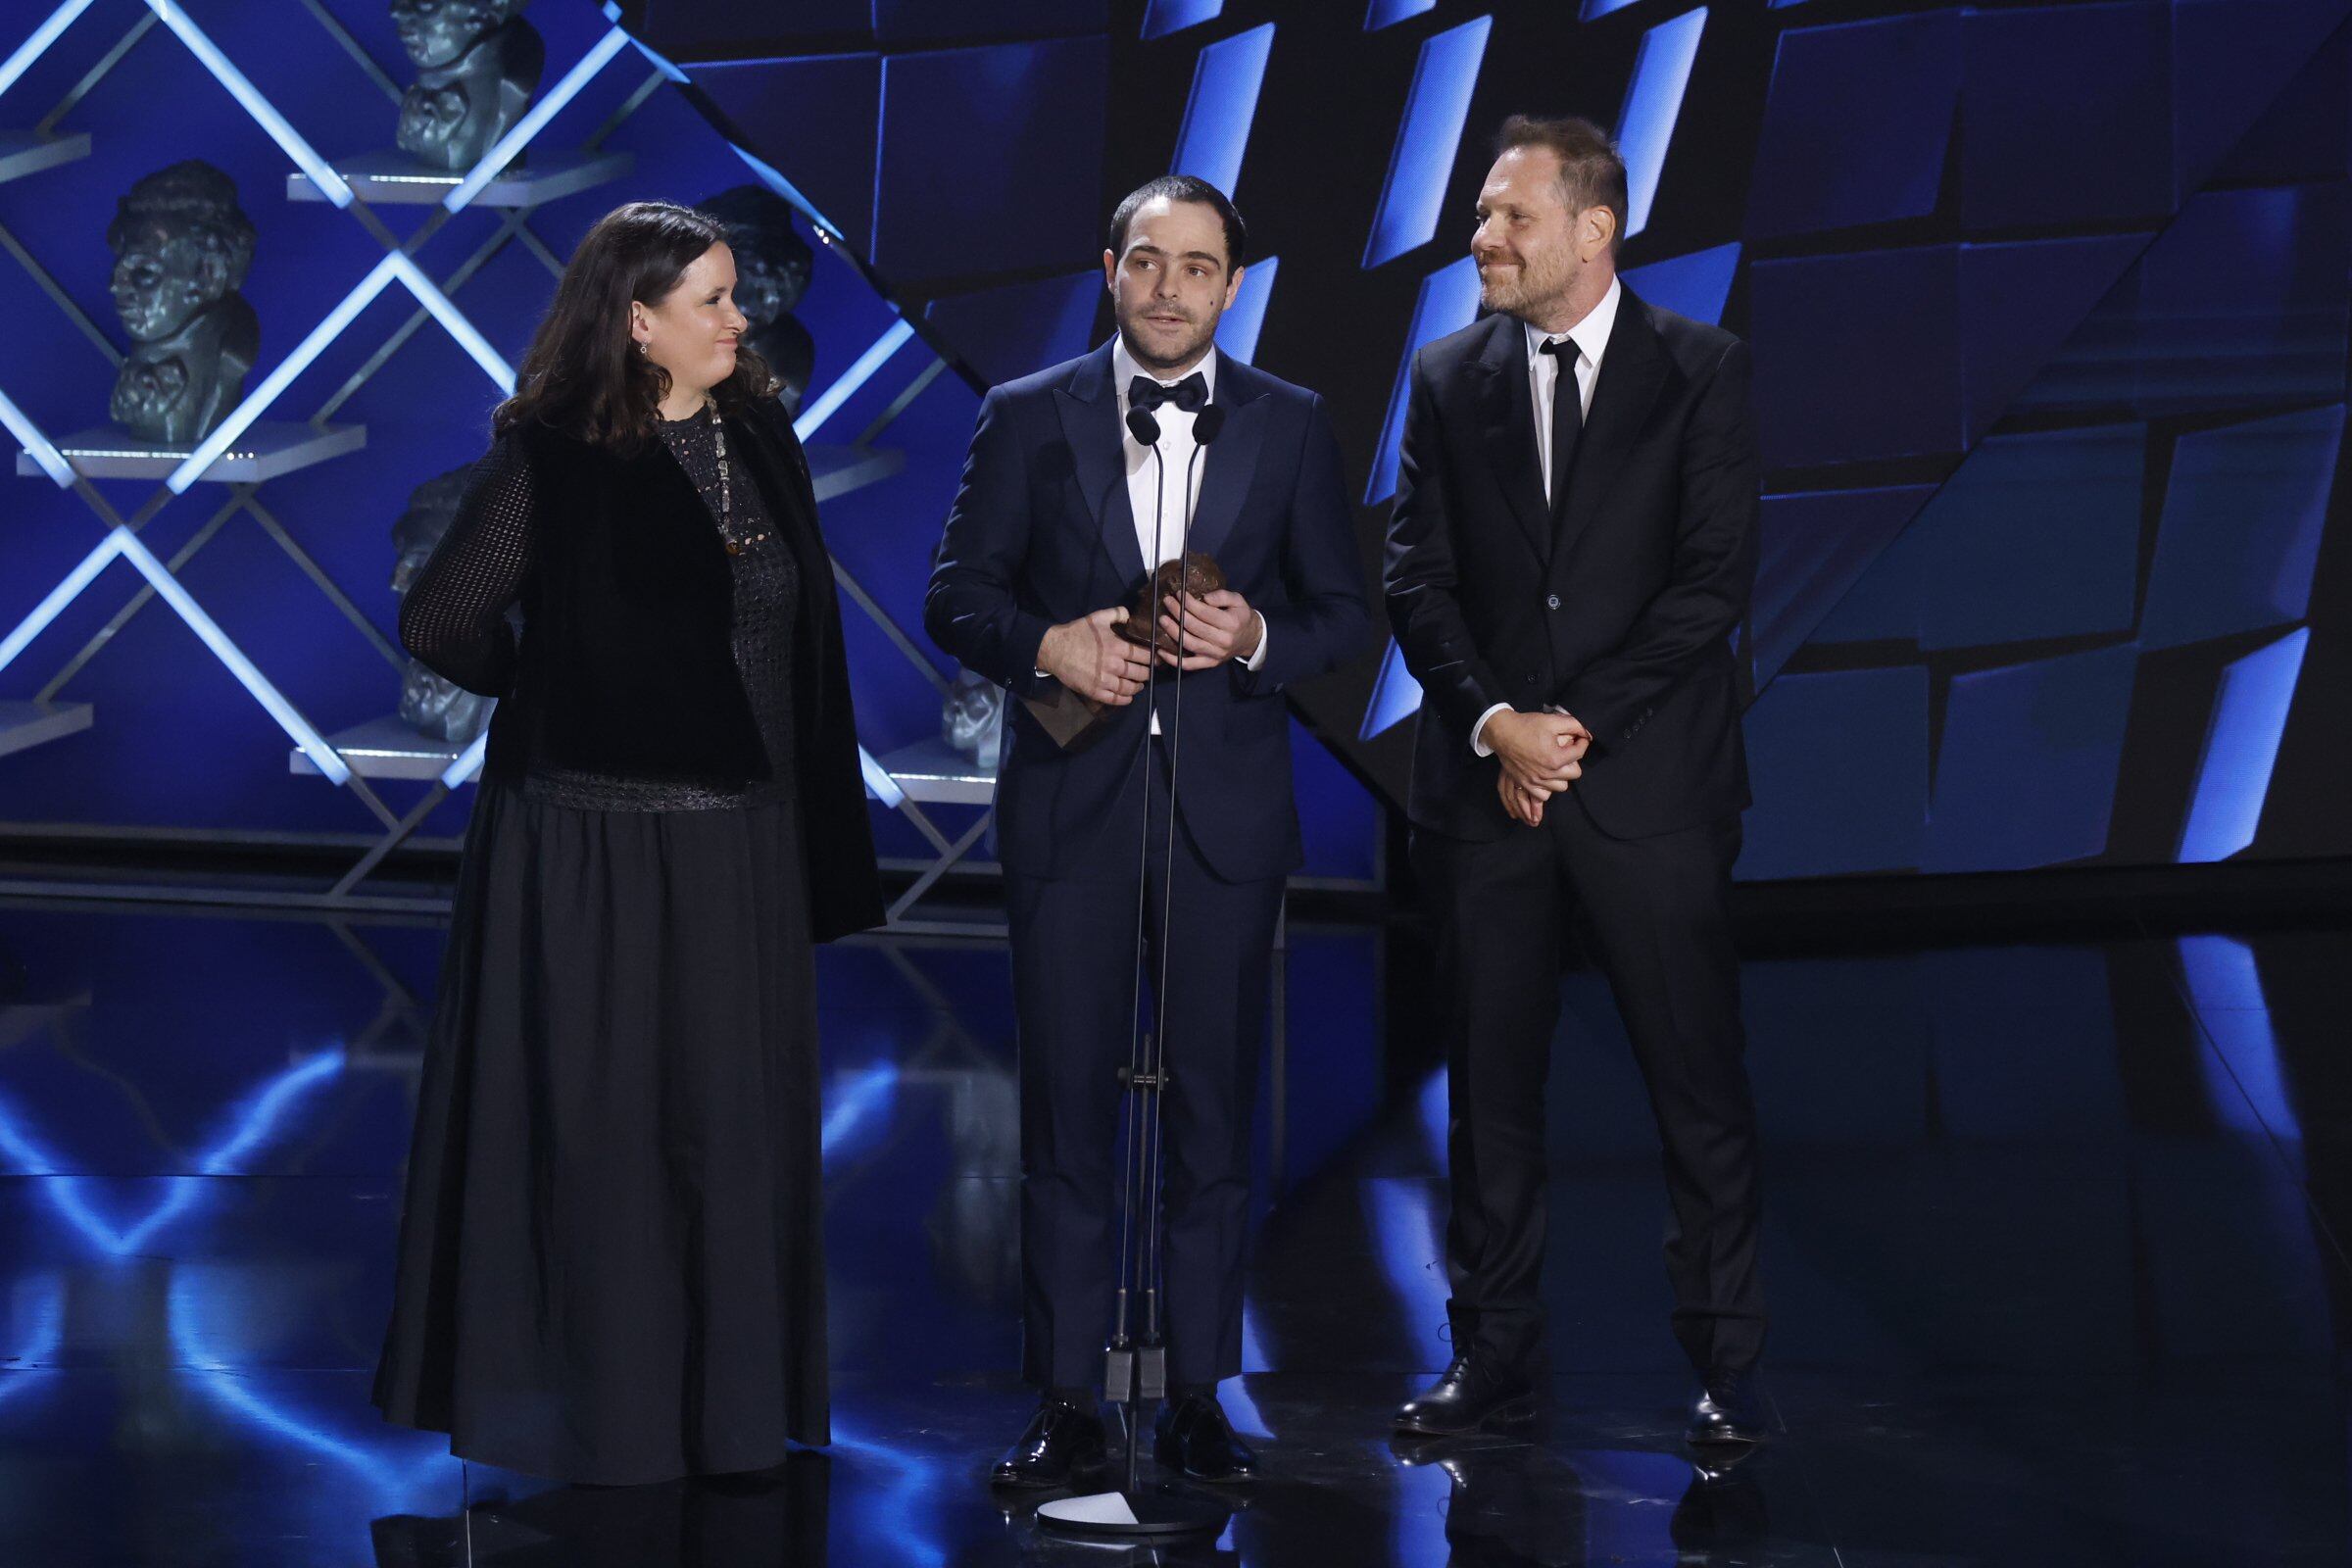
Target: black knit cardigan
[(625, 665)]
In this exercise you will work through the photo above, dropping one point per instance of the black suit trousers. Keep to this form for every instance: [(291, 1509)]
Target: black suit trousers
[(1656, 910), (1075, 993)]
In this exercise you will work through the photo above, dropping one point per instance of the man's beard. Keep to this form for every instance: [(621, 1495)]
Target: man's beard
[(1516, 291)]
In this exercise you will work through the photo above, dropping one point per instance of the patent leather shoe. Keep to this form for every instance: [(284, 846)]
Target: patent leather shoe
[(1726, 1412), (1063, 1445), (1192, 1437)]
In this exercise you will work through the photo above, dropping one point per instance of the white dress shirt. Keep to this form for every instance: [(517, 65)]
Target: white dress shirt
[(1592, 335), (1165, 507)]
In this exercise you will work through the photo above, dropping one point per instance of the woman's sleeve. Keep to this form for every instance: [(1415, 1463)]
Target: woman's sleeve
[(453, 616)]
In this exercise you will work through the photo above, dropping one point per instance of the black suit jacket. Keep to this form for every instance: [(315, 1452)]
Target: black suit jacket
[(1042, 532), (1622, 614)]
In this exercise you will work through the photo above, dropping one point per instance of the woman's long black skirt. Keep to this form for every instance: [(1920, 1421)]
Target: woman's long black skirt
[(611, 1260)]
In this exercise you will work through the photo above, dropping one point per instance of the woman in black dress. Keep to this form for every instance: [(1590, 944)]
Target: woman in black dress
[(611, 1260)]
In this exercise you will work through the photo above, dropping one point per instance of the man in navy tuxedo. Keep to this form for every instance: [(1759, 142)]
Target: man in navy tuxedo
[(1060, 508)]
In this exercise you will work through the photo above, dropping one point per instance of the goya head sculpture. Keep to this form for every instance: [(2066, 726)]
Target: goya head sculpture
[(182, 247), (478, 62)]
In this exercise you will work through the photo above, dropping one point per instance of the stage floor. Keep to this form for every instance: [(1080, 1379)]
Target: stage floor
[(2052, 1246)]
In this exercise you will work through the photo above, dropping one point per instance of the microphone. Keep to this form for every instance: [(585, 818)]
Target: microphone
[(1207, 423), (1142, 426)]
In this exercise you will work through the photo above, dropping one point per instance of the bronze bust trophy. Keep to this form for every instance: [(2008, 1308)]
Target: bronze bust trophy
[(773, 266), (1197, 575), (182, 246), (1071, 719), (433, 705), (478, 62)]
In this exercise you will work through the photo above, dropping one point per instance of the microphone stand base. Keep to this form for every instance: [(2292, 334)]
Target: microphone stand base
[(1135, 1512)]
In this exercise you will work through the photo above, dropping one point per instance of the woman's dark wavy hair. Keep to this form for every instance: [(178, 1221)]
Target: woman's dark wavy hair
[(583, 374)]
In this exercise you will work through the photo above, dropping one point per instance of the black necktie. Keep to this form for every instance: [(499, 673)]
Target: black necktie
[(1190, 394), (1567, 421)]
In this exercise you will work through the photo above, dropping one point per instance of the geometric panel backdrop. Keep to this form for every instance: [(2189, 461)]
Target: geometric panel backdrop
[(2047, 301)]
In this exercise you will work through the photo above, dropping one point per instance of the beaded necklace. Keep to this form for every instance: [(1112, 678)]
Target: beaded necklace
[(736, 544)]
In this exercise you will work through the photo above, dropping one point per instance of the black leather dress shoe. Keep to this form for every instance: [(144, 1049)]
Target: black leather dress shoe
[(1474, 1392), (1062, 1446), (1727, 1411), (1192, 1437)]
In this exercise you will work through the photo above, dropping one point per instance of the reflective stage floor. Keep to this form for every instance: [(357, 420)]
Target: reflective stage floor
[(2051, 1247)]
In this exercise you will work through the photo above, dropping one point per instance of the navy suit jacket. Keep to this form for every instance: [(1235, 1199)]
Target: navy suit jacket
[(1622, 613), (1042, 532)]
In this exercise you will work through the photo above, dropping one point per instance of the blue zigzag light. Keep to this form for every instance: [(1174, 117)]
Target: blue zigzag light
[(64, 594), (47, 33), (53, 461), (814, 417), (667, 67), (394, 266), (168, 588), (530, 125), (254, 1126), (264, 113), (878, 782), (467, 762), (121, 541)]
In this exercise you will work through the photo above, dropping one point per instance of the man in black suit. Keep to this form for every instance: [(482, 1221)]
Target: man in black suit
[(1061, 506), (1573, 543)]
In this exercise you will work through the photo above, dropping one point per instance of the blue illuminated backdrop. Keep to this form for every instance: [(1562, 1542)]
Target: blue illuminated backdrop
[(2047, 304)]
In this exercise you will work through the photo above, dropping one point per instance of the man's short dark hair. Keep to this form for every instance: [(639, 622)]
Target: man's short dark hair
[(1591, 174), (1184, 188)]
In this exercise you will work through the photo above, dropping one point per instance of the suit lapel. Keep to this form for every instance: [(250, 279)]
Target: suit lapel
[(1231, 460), (1507, 427), (1633, 368), (1090, 423)]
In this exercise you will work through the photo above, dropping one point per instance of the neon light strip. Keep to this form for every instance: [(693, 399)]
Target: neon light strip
[(878, 782), (314, 745), (827, 230), (467, 763), (497, 157), (281, 129), (258, 400), (856, 376), (612, 14), (255, 403), (53, 461), (37, 45), (64, 594), (453, 319)]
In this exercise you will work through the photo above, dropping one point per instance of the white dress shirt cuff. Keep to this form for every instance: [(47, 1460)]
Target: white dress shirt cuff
[(1257, 659), (1478, 731)]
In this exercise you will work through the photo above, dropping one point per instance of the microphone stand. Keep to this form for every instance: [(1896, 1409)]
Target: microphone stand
[(1135, 1361)]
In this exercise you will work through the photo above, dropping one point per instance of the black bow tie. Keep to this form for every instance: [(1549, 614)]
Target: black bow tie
[(1190, 394)]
